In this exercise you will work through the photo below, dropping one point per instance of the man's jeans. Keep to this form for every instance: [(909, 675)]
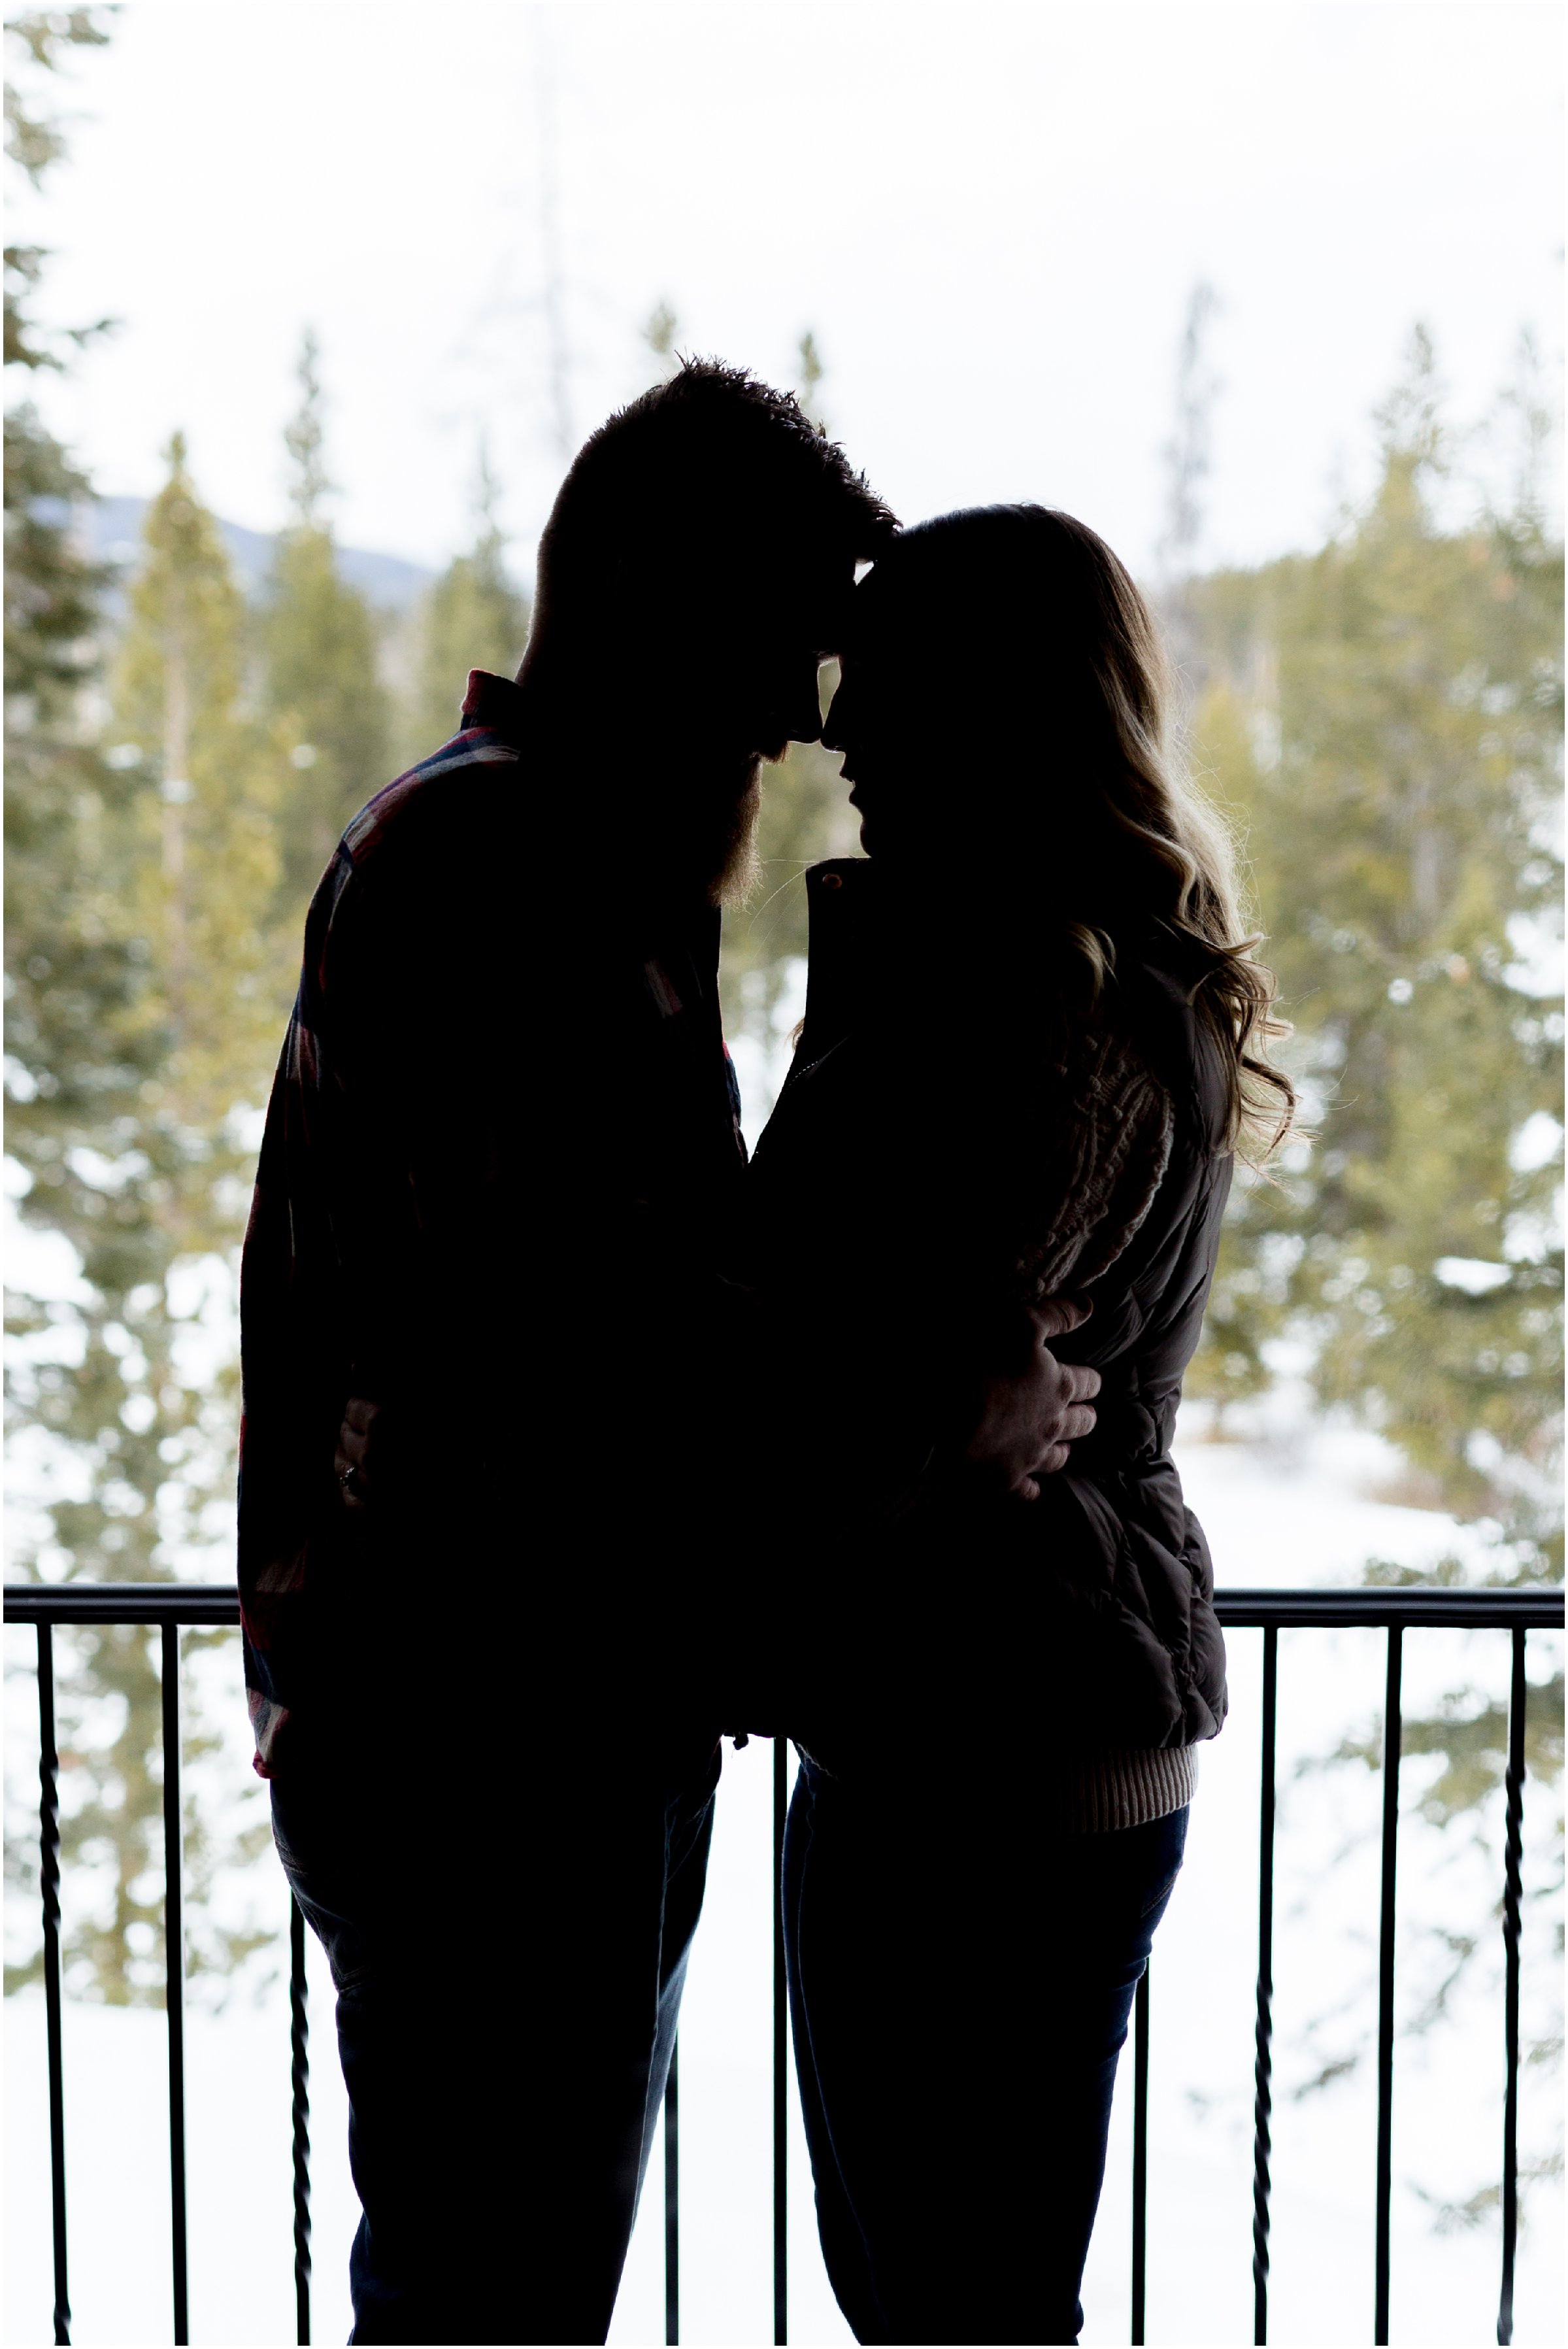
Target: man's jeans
[(960, 1986), (509, 1949)]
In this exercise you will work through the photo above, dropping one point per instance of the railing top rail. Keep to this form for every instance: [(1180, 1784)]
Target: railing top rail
[(1408, 1607), (121, 1602)]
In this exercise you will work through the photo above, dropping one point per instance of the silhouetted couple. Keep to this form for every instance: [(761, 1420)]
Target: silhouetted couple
[(572, 1441)]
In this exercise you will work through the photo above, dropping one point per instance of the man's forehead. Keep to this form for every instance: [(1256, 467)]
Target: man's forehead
[(837, 611), (809, 595), (821, 574)]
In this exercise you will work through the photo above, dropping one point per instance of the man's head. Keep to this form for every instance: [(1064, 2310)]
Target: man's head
[(694, 572)]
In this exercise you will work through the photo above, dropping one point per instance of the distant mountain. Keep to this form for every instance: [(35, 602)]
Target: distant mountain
[(112, 528)]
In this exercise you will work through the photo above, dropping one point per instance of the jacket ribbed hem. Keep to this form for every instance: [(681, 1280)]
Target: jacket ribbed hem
[(1092, 1793)]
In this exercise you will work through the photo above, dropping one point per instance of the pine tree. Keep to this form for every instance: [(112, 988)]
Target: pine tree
[(106, 1414), (805, 816), (210, 877), (320, 647), (73, 1023), (1385, 717), (811, 374), (139, 1048), (473, 617), (660, 333)]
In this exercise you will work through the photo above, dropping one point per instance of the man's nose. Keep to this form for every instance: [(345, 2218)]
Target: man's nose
[(804, 712)]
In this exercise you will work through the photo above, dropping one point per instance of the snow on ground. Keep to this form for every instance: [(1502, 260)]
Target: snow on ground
[(1277, 1510), (1297, 1507)]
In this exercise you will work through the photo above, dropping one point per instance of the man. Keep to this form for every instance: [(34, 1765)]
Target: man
[(492, 1642)]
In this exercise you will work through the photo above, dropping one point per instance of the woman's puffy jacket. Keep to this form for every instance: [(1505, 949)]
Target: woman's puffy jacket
[(954, 1141)]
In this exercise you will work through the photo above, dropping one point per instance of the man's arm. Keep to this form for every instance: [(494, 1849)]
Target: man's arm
[(1025, 1417)]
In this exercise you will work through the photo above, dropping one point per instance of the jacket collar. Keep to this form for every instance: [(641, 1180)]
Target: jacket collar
[(841, 897), (499, 706)]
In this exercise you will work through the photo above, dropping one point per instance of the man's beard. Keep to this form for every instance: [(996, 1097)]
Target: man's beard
[(738, 868), (676, 843)]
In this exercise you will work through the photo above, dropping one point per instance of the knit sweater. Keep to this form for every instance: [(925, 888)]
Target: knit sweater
[(919, 1182), (1090, 1793)]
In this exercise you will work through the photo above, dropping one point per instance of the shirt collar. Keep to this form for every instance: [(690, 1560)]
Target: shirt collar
[(495, 703)]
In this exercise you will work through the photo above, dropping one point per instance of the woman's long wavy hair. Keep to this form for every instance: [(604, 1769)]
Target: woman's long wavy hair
[(1061, 651)]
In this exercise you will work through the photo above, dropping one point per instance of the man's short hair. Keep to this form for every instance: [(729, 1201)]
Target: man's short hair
[(712, 463)]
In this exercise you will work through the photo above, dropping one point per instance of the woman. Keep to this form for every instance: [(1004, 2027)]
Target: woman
[(1034, 1038)]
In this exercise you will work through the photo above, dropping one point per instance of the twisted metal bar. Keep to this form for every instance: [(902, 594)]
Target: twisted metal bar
[(49, 1884), (673, 2200), (1263, 2058), (781, 2058), (174, 1975), (1512, 1888), (1392, 1740), (1140, 2153), (168, 1606), (299, 2050)]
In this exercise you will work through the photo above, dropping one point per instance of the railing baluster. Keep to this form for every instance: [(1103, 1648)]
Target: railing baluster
[(299, 2051), (49, 1884), (174, 1972), (780, 2056), (1392, 1610), (1140, 2153), (1263, 2037), (1512, 1885), (673, 2200), (1391, 1737)]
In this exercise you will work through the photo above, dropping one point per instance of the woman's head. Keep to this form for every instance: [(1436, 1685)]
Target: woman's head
[(1003, 690), (1006, 705)]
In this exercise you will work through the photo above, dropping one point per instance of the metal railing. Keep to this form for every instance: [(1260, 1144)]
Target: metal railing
[(172, 1606)]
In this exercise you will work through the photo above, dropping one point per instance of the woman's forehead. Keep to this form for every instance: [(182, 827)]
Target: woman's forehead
[(883, 606)]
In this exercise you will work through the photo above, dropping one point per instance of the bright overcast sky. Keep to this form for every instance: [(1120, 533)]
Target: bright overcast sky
[(991, 216)]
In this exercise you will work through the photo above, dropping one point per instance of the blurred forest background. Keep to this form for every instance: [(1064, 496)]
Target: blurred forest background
[(187, 730)]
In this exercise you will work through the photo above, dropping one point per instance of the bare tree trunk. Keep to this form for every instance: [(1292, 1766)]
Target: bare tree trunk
[(176, 797), (1187, 457)]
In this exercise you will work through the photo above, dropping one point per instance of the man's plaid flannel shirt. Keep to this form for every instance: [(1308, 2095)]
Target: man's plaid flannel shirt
[(341, 1210)]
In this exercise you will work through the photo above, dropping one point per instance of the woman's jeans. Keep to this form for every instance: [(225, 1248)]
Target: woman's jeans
[(960, 1985)]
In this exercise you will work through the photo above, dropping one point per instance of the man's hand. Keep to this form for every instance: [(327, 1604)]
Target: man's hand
[(355, 1443), (1030, 1418)]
